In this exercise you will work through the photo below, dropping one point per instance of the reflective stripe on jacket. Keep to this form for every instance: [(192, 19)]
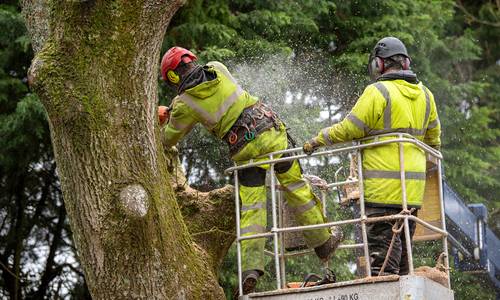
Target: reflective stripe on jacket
[(216, 104), (385, 107)]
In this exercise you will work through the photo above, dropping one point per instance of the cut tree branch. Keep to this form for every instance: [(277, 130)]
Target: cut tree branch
[(208, 215)]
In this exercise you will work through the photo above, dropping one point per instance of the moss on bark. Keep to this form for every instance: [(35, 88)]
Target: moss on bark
[(95, 71)]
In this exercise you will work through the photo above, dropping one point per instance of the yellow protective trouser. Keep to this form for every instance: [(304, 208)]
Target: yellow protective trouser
[(298, 197)]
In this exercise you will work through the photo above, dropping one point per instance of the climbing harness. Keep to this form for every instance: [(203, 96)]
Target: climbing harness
[(251, 122), (249, 135)]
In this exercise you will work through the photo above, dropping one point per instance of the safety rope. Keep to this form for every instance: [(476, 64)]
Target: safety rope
[(396, 229)]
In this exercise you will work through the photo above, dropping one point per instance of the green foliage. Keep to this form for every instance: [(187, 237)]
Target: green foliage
[(23, 124), (245, 29), (473, 144), (471, 286), (306, 58), (31, 207), (311, 56)]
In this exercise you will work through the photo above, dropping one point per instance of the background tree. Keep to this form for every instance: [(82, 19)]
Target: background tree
[(296, 55), (37, 255)]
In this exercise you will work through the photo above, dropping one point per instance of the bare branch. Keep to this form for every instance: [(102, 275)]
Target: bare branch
[(473, 18), (8, 270)]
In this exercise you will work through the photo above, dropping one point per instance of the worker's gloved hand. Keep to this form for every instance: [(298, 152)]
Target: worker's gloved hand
[(163, 114), (310, 146)]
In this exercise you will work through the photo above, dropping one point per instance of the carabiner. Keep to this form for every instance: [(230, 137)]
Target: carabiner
[(269, 113), (249, 135), (233, 137)]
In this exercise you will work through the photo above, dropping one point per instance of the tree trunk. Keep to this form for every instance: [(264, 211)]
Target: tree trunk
[(96, 71)]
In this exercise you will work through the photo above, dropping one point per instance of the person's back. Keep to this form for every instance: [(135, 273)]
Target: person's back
[(401, 106), (396, 103), (215, 100)]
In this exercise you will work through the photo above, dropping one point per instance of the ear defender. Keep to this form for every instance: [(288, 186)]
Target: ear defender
[(406, 63), (173, 77), (380, 67), (375, 67)]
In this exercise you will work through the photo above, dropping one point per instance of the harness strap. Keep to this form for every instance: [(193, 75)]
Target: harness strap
[(252, 121)]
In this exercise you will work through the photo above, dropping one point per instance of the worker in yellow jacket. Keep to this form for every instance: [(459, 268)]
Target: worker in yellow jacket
[(211, 96), (396, 102)]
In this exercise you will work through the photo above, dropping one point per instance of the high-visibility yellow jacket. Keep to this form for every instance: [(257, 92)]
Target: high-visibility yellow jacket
[(386, 107), (216, 104)]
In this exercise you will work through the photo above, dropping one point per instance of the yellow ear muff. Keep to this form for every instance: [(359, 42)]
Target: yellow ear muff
[(173, 77)]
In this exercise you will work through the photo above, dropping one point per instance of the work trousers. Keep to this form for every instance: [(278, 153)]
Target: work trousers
[(297, 193), (379, 240)]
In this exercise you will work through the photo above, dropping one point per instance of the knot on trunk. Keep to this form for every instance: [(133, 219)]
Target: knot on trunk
[(134, 200)]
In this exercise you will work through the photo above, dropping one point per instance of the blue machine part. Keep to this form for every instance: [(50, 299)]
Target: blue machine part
[(460, 221), (477, 248), (493, 257)]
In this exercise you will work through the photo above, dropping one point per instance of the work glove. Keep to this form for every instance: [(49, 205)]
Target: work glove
[(310, 146), (163, 114)]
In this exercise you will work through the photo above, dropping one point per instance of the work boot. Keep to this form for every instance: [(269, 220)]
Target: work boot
[(328, 248), (249, 283)]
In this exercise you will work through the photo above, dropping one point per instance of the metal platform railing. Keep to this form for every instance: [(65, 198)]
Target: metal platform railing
[(357, 147)]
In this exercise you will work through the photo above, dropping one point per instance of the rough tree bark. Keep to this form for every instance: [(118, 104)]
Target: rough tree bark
[(96, 70)]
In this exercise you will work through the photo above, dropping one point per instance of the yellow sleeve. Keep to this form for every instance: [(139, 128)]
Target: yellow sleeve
[(433, 133), (222, 68), (365, 114), (180, 123)]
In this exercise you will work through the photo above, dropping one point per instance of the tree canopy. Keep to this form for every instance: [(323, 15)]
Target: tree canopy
[(295, 55)]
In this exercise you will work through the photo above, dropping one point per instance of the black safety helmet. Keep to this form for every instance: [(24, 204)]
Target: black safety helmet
[(389, 46), (386, 48)]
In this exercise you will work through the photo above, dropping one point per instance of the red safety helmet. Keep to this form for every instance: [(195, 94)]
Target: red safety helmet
[(171, 60)]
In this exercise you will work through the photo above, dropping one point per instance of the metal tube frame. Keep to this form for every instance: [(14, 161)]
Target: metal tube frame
[(334, 151), (364, 235), (303, 252), (344, 222), (336, 184), (406, 225), (282, 239), (238, 230), (277, 231), (275, 224), (443, 222)]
